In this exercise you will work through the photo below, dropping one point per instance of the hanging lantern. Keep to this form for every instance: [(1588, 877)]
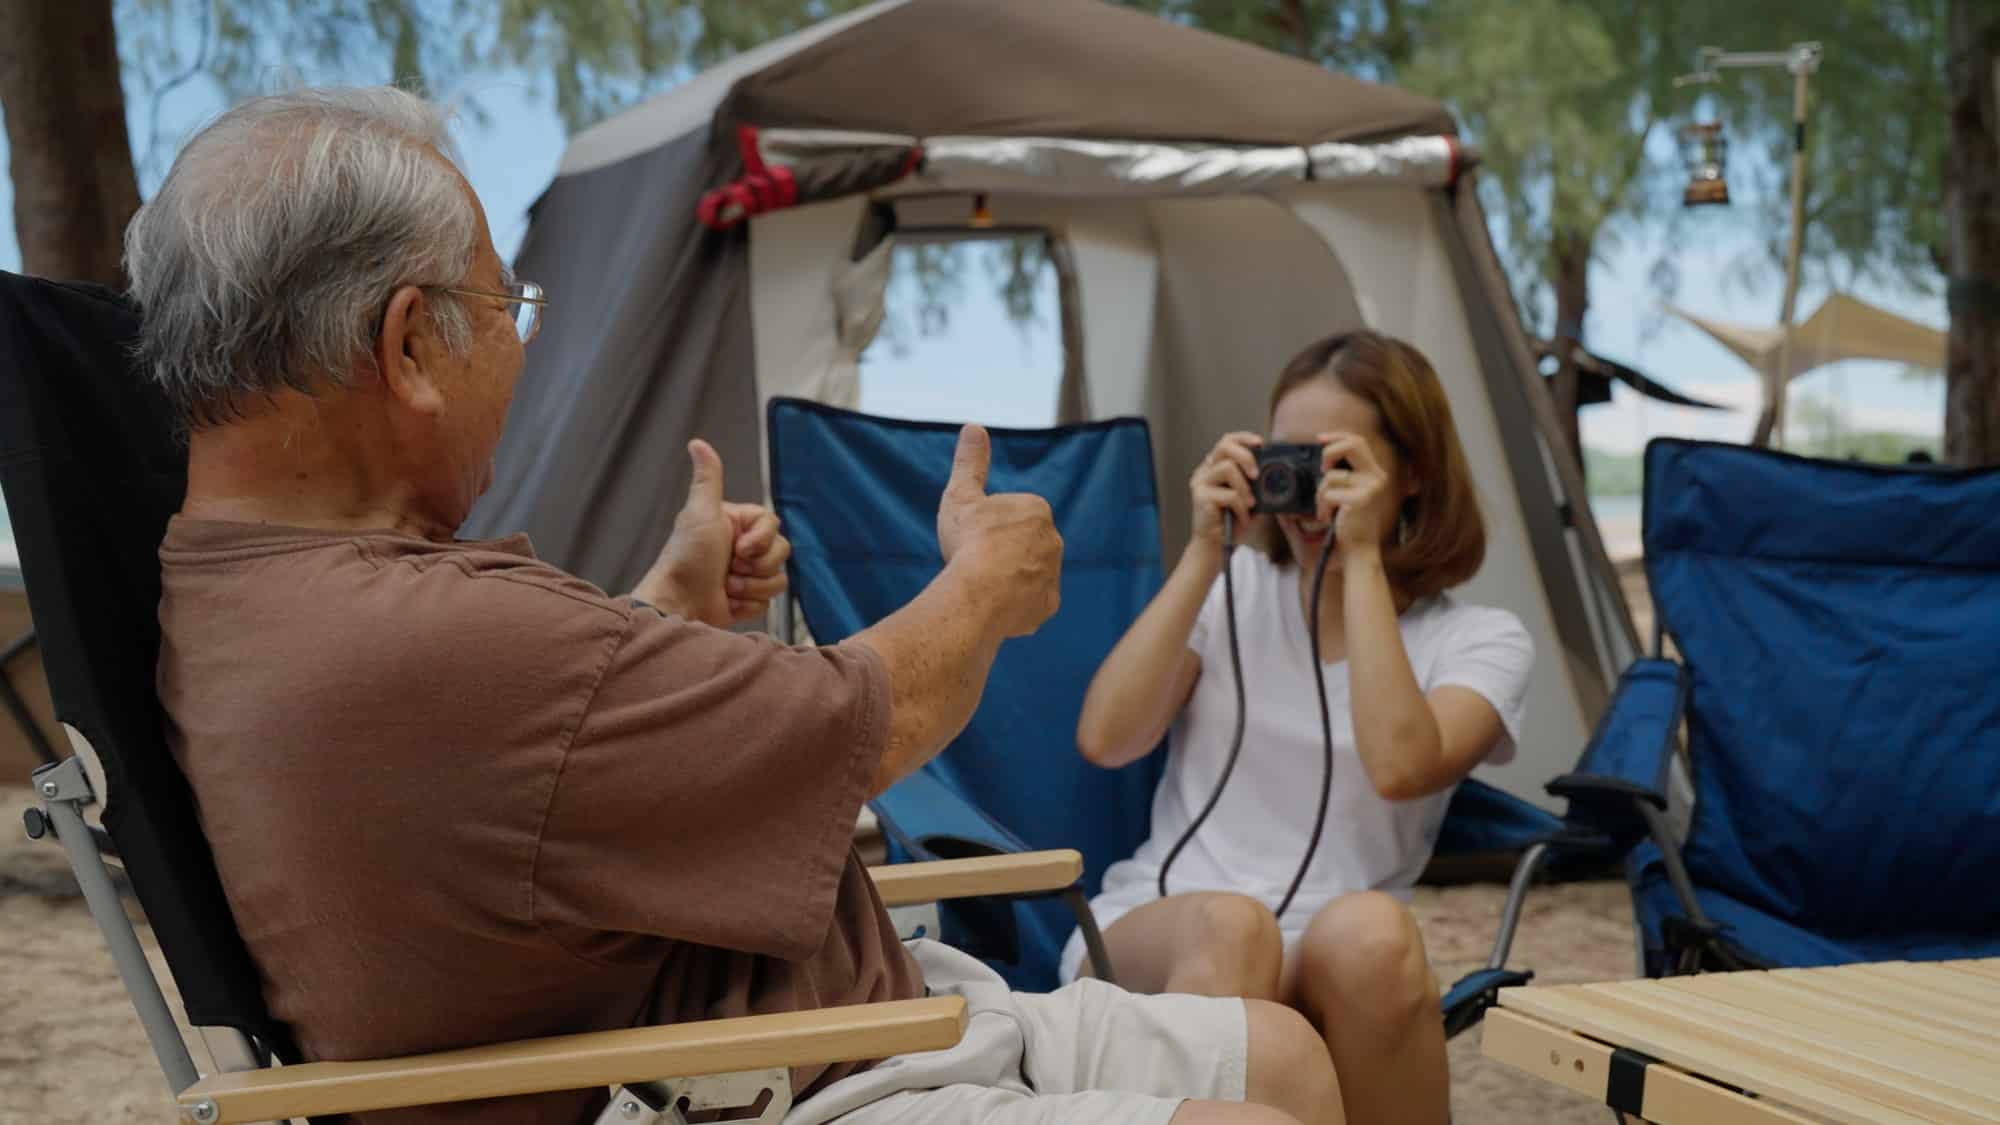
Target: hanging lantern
[(1706, 151)]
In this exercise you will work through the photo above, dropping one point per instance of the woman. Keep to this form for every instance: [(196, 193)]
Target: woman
[(1421, 689)]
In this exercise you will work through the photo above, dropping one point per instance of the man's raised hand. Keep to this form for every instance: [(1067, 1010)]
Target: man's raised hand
[(1008, 542), (724, 562)]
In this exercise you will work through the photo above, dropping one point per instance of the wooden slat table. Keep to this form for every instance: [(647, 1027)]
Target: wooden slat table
[(1896, 1043)]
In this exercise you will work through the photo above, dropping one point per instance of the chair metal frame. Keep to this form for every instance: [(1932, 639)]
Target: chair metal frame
[(658, 1076)]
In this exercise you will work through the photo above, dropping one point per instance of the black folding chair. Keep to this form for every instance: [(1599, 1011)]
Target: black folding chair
[(91, 470)]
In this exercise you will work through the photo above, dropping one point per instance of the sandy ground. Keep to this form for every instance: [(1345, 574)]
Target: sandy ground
[(71, 1050)]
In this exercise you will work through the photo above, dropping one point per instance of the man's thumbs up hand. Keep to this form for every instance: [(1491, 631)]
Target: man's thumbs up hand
[(724, 562), (1008, 542), (966, 488)]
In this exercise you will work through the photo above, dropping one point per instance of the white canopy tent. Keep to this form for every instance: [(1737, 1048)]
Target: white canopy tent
[(1843, 327)]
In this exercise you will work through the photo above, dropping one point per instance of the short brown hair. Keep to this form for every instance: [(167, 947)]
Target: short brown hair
[(1446, 539)]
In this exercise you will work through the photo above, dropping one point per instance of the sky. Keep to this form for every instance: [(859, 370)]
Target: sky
[(512, 153)]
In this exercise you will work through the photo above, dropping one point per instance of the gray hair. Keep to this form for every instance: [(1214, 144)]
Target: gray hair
[(266, 258)]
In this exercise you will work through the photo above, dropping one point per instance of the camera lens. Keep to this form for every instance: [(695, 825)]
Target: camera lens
[(1275, 485)]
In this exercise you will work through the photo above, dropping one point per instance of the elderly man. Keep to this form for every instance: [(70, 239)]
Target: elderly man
[(457, 795)]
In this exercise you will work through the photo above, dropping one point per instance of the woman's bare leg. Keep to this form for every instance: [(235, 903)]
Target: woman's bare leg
[(1206, 943), (1361, 976)]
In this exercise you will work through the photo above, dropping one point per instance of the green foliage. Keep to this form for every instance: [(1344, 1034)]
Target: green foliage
[(1561, 98), (1367, 38), (1613, 474), (1818, 432), (1880, 446), (604, 54), (595, 56)]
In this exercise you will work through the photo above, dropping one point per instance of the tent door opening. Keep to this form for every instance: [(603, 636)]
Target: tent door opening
[(973, 325)]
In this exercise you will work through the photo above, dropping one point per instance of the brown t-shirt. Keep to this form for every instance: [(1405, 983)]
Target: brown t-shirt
[(457, 796)]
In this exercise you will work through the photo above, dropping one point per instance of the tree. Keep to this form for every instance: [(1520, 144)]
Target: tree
[(61, 63), (1562, 98), (1972, 244), (74, 188)]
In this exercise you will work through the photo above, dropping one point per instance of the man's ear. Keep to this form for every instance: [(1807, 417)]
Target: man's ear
[(405, 349)]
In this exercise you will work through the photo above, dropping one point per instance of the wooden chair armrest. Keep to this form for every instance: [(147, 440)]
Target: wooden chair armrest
[(572, 1062), (904, 884)]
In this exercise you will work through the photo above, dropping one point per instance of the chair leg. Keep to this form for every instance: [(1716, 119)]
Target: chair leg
[(767, 1093), (1093, 939), (1517, 893), (65, 790)]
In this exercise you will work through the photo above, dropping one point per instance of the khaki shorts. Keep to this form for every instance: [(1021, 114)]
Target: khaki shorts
[(1088, 1052)]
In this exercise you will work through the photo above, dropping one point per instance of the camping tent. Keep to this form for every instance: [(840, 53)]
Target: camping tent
[(1210, 207)]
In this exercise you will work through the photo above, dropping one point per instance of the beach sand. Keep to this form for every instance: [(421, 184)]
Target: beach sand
[(71, 1050)]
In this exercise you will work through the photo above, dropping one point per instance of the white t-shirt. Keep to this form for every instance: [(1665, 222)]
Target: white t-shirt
[(1254, 839)]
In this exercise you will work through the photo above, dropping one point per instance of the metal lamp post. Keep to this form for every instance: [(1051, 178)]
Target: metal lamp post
[(1705, 148)]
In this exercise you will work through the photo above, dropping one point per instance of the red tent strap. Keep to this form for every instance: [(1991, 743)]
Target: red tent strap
[(763, 187), (746, 145)]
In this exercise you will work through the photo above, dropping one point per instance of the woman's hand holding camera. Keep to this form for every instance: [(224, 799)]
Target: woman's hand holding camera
[(1221, 483), (1355, 493)]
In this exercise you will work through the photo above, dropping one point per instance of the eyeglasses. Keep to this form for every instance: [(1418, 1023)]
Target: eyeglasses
[(525, 296)]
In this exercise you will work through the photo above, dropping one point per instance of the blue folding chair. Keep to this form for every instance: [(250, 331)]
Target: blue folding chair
[(1836, 627), (858, 496)]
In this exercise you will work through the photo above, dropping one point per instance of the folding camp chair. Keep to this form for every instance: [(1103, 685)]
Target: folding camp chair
[(1835, 627), (91, 472), (858, 496)]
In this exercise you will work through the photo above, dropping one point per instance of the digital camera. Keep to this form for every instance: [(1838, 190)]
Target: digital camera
[(1287, 478)]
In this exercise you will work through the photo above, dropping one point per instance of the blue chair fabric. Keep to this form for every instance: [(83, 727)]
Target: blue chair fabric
[(1484, 820), (1475, 992), (1628, 754), (1836, 622), (858, 496), (1754, 938)]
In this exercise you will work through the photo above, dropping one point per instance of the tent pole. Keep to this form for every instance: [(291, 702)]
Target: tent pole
[(1462, 226), (1801, 61)]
